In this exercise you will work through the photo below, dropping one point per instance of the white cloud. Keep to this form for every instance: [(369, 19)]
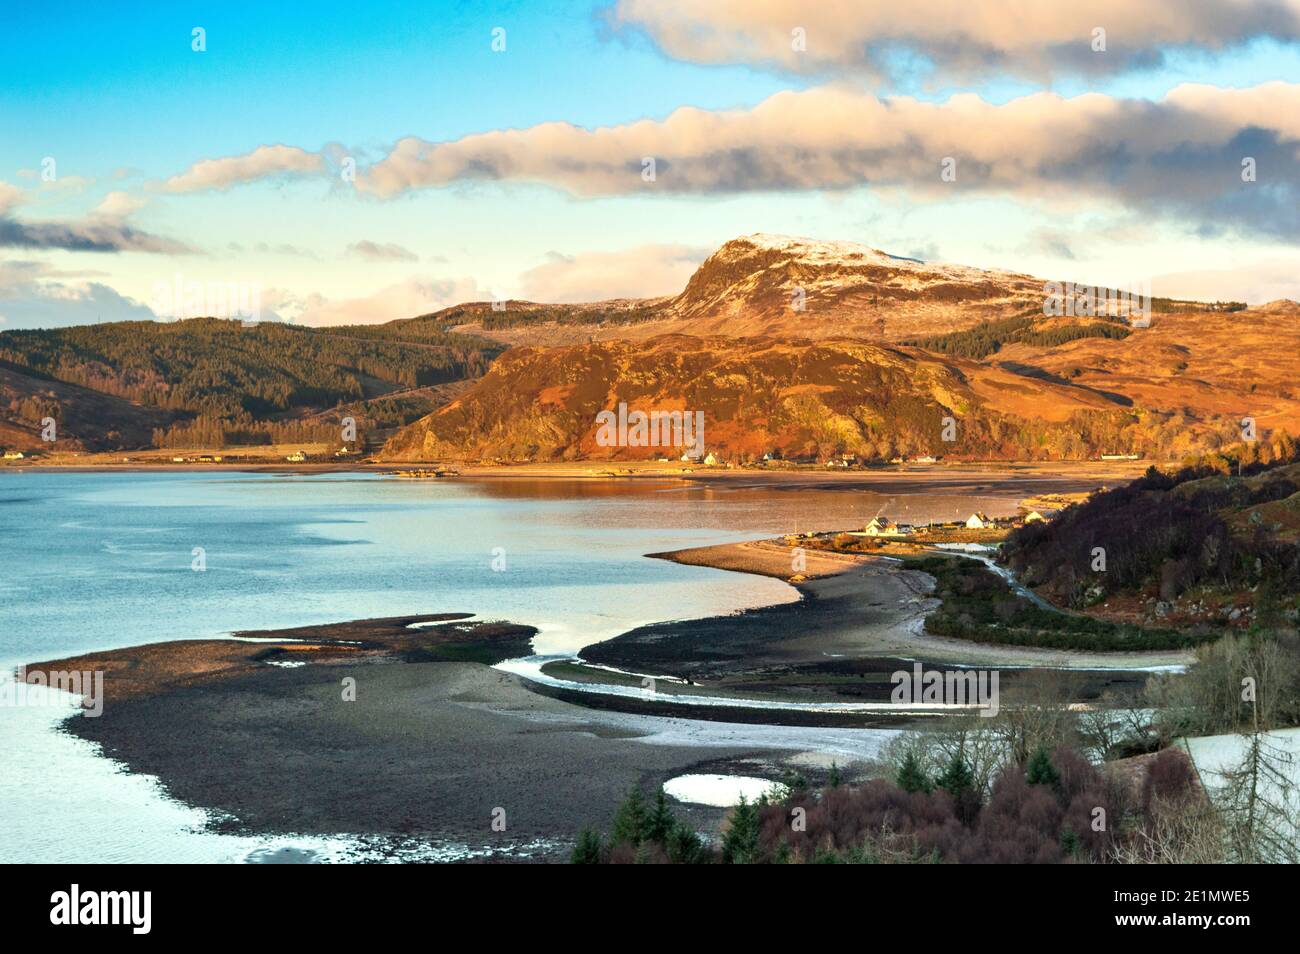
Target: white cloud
[(1255, 283), (1180, 154), (104, 229), (381, 251), (11, 196), (961, 38), (35, 295), (414, 296), (119, 205), (644, 272), (261, 163)]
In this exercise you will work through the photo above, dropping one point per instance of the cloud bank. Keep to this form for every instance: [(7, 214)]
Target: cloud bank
[(35, 295), (1182, 154), (960, 38), (105, 229)]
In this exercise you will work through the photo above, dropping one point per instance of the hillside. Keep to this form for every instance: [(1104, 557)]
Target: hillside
[(751, 287), (971, 343), (1213, 547), (210, 377), (792, 398), (977, 341), (1239, 364), (84, 419)]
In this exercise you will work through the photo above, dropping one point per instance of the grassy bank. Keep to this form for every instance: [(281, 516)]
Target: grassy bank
[(979, 606)]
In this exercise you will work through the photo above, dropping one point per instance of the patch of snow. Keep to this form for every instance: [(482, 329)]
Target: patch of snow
[(721, 791)]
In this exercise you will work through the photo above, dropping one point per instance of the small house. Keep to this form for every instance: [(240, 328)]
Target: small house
[(977, 521), (879, 527), (297, 457)]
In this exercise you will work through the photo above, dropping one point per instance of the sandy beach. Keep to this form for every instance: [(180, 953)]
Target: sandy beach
[(852, 607)]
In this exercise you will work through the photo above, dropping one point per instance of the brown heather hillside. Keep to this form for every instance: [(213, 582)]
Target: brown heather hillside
[(793, 397), (84, 419), (883, 348), (1198, 365)]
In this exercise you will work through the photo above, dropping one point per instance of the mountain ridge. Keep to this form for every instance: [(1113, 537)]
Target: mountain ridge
[(766, 284), (984, 332)]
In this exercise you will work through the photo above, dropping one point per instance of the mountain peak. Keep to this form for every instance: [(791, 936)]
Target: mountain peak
[(766, 283), (813, 249)]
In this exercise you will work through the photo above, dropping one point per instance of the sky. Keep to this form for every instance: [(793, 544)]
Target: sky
[(344, 163)]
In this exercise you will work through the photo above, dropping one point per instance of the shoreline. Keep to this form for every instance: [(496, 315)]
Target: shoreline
[(430, 748), (1005, 475), (851, 607), (436, 739)]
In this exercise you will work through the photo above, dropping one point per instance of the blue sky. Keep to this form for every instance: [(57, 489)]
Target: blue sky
[(115, 94)]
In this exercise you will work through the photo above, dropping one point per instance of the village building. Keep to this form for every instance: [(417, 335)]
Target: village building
[(879, 527), (14, 455), (978, 521), (884, 527)]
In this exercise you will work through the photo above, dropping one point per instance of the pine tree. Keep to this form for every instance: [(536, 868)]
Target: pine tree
[(684, 846), (587, 849), (835, 778), (957, 777), (1070, 845), (661, 822), (630, 822), (1040, 770), (740, 843), (959, 781), (911, 777)]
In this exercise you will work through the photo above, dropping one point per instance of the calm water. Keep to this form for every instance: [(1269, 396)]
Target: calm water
[(92, 561)]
